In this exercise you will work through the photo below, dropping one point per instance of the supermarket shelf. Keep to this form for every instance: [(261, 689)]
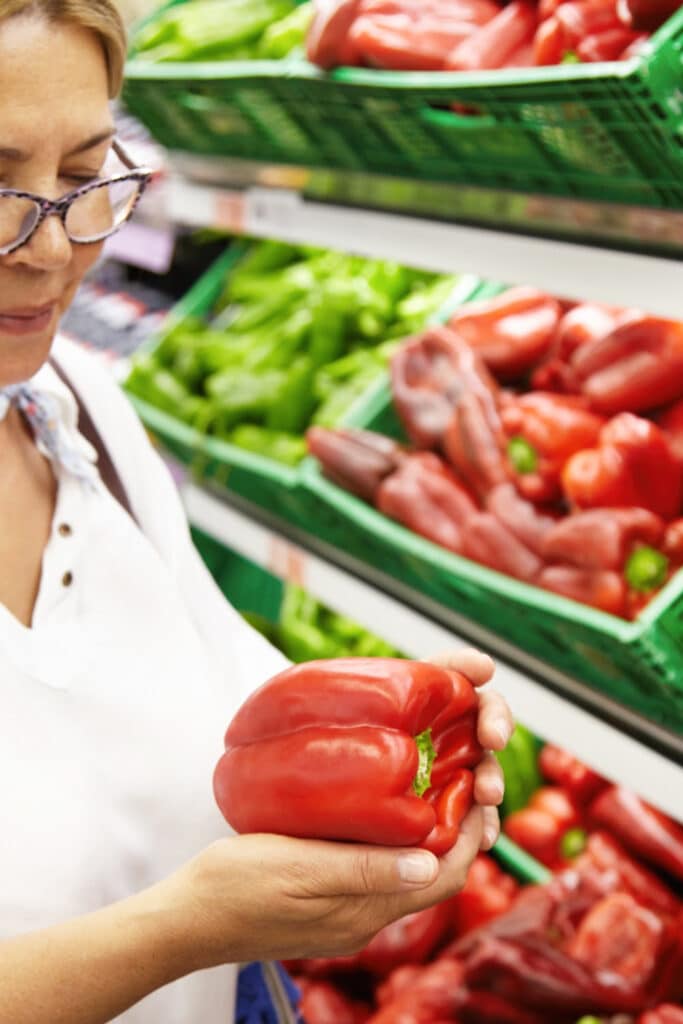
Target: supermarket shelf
[(612, 739), (582, 250)]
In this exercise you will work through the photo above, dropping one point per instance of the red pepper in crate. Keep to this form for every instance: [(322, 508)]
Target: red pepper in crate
[(547, 827), (672, 546), (633, 466), (565, 770), (493, 45), (425, 496), (607, 45), (487, 541), (433, 997), (587, 322), (601, 538), (344, 750), (488, 892), (665, 1014), (544, 430), (605, 854), (410, 940), (521, 517), (323, 1003), (429, 375), (474, 444), (642, 829), (401, 43), (357, 460), (488, 1008), (646, 14), (621, 936), (513, 331), (638, 367), (600, 588), (671, 422), (327, 43)]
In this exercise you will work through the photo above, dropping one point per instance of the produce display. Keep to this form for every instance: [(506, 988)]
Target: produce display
[(472, 35), (297, 335), (544, 442), (225, 30), (603, 935), (378, 750)]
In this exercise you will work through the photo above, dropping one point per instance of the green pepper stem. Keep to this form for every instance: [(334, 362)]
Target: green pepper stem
[(646, 569), (522, 455), (573, 843), (426, 757)]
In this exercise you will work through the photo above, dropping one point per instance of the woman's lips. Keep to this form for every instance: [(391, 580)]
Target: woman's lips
[(27, 321)]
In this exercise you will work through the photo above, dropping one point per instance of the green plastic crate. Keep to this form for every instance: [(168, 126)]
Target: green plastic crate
[(610, 131), (638, 663)]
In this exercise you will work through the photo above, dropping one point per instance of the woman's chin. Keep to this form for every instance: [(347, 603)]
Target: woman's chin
[(21, 356)]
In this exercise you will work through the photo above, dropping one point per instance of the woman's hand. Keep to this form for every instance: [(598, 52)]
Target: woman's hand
[(263, 897), (495, 729)]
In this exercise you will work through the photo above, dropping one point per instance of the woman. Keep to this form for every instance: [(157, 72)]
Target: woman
[(120, 662)]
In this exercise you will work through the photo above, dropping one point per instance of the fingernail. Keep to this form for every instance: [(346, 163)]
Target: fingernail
[(501, 729), (417, 868), (490, 837)]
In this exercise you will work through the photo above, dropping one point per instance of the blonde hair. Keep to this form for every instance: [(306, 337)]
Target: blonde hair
[(100, 16)]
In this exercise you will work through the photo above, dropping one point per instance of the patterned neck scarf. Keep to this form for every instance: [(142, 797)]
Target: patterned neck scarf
[(41, 412)]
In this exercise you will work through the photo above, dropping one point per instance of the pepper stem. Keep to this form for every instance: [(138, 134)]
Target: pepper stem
[(646, 569), (522, 455), (573, 843), (426, 756)]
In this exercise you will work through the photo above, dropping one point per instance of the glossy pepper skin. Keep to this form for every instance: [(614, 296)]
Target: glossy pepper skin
[(493, 44), (633, 466), (641, 932), (424, 495), (492, 544), (540, 827), (553, 428), (487, 893), (429, 375), (642, 829), (328, 44), (638, 367), (513, 331), (606, 855), (357, 460), (323, 1003), (410, 940), (474, 444), (565, 770), (527, 521), (433, 996), (671, 422), (646, 14), (403, 43), (601, 538), (328, 750), (603, 589), (667, 1013)]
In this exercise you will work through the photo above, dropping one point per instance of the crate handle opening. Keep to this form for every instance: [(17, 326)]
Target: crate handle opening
[(444, 117)]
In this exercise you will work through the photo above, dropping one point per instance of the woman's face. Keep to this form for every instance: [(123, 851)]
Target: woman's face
[(55, 133)]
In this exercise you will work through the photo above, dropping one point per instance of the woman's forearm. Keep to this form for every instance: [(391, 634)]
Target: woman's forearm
[(90, 969)]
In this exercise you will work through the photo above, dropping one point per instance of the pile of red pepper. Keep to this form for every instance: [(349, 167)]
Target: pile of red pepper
[(547, 444), (469, 35), (604, 935)]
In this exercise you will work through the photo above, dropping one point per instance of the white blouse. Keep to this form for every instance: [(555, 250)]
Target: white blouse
[(114, 704)]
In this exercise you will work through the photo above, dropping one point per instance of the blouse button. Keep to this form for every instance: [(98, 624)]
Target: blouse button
[(65, 530), (67, 579)]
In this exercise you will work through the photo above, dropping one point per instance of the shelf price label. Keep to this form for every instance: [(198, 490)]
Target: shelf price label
[(286, 561)]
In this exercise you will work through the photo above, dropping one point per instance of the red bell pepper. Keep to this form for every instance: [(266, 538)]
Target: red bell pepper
[(357, 460), (513, 331), (667, 1013), (599, 588), (633, 466), (327, 43), (492, 45), (425, 496), (401, 43), (638, 367), (433, 997), (343, 750), (601, 538), (607, 45), (562, 768), (672, 546), (526, 521), (641, 828), (582, 18), (410, 940), (646, 14), (398, 981), (487, 541), (540, 828), (621, 936), (474, 444), (429, 375), (488, 892), (549, 49), (605, 854), (587, 322), (488, 1008), (323, 1003), (544, 430), (671, 422)]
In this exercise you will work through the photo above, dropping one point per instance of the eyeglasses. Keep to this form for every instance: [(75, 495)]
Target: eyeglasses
[(89, 214)]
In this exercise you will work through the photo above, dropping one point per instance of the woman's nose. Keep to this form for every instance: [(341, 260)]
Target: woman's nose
[(49, 248)]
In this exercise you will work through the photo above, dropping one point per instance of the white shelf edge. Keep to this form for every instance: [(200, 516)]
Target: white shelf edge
[(619, 757), (572, 270)]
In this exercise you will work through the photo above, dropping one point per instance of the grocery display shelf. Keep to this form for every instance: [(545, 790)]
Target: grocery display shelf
[(612, 739), (577, 248)]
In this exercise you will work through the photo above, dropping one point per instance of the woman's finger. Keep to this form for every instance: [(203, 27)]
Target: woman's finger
[(491, 827), (489, 783), (478, 667), (495, 721)]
